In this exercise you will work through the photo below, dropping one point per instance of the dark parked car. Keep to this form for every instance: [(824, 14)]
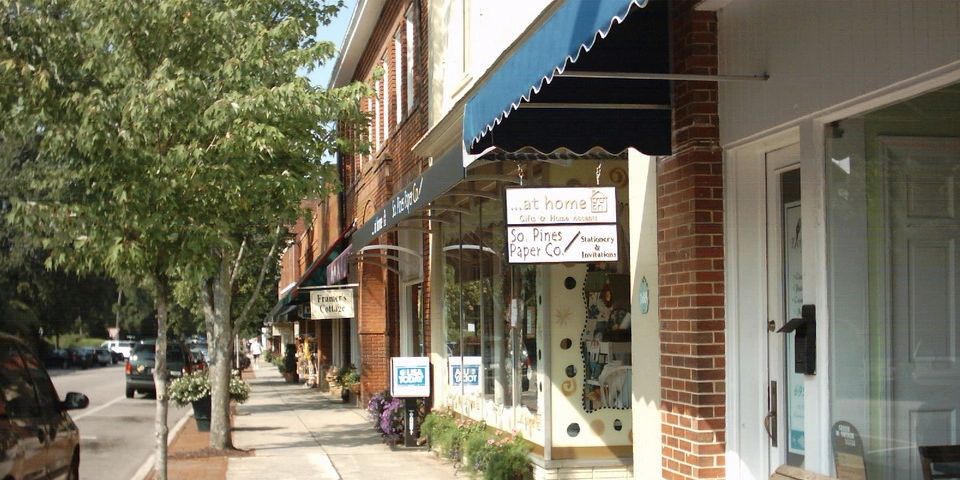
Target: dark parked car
[(139, 368), (38, 439), (57, 358), (82, 357)]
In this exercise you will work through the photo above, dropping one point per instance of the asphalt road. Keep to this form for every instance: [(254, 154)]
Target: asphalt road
[(116, 433)]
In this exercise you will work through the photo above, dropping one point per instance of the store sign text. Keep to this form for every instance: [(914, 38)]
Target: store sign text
[(564, 205), (333, 303), (465, 373), (410, 377)]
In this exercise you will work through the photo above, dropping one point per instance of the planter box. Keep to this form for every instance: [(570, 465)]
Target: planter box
[(201, 413)]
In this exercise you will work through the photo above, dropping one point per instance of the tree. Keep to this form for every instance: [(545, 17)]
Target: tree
[(167, 133)]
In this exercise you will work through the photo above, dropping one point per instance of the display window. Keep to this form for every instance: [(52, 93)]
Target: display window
[(506, 325), (893, 227)]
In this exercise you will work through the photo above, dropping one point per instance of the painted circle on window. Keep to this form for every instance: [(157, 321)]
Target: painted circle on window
[(566, 343), (573, 429), (568, 387), (570, 283), (571, 371), (617, 425)]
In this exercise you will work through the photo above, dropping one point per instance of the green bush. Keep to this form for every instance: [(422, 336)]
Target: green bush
[(268, 356), (510, 461), (278, 361), (498, 456)]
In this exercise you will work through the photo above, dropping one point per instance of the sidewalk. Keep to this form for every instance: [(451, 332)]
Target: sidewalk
[(301, 433)]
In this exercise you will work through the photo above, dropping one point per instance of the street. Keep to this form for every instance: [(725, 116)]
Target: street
[(116, 433)]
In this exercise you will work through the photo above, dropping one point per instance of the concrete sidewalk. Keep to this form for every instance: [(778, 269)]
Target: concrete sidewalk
[(301, 433)]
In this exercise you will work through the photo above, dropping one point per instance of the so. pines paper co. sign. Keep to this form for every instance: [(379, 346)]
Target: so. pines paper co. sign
[(562, 224)]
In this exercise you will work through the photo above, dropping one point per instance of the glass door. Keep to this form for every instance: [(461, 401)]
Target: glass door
[(783, 422)]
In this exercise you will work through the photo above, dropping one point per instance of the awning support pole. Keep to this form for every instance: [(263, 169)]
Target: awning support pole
[(666, 76)]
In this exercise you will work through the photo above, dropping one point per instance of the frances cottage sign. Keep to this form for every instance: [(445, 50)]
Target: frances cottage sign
[(331, 303)]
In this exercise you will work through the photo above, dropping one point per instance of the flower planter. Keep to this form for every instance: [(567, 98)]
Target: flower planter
[(201, 413)]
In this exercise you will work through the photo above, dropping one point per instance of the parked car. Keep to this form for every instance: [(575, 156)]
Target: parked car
[(119, 348), (199, 358), (103, 357), (38, 439), (82, 357), (57, 358), (139, 368)]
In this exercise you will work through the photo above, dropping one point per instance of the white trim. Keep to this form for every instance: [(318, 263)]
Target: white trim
[(890, 94), (398, 75), (364, 19), (750, 154)]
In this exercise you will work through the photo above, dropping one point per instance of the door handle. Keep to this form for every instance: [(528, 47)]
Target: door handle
[(770, 420)]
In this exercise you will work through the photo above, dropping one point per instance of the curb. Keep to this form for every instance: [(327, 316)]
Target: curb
[(147, 466)]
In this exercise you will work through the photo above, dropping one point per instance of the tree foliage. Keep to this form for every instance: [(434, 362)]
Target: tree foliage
[(164, 134)]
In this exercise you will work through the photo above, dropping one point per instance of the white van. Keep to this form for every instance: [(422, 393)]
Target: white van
[(119, 347)]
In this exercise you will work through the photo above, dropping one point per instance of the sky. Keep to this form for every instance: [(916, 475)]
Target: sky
[(334, 33)]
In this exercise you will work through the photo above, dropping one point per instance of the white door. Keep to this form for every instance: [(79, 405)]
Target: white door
[(783, 421), (923, 211)]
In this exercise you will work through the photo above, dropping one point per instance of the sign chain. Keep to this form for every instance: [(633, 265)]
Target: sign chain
[(599, 169), (520, 172)]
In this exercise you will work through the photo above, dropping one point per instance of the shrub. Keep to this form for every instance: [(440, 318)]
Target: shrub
[(195, 386), (347, 376), (497, 456), (510, 461)]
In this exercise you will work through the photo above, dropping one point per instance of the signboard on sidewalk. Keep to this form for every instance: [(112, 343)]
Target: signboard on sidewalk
[(466, 372), (331, 303), (562, 225), (410, 377)]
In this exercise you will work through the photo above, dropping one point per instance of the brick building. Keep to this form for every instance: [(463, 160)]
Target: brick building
[(783, 174), (383, 48)]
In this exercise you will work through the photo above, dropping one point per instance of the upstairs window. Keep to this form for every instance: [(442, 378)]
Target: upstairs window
[(398, 74), (412, 27)]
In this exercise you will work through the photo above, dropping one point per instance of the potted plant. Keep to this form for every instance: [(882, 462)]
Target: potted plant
[(289, 370), (349, 381), (194, 389)]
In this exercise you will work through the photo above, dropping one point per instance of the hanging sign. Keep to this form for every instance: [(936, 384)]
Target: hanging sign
[(465, 372), (410, 377), (562, 225), (331, 303), (562, 243), (566, 205), (337, 271)]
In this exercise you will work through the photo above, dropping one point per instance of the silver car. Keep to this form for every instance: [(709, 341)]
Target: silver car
[(38, 439)]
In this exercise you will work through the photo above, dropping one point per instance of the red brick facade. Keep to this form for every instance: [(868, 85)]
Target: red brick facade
[(370, 180), (690, 241)]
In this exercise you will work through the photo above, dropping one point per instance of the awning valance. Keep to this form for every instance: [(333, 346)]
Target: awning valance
[(534, 98), (446, 171), (315, 275)]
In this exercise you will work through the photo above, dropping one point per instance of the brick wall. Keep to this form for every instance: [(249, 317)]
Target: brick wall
[(690, 226), (370, 180)]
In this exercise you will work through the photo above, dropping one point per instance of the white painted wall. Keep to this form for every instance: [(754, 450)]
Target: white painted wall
[(821, 53), (466, 37), (645, 328)]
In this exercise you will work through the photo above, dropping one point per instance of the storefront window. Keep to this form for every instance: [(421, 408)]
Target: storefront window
[(451, 286), (893, 229)]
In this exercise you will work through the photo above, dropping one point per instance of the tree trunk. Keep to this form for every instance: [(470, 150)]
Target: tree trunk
[(216, 311), (160, 374)]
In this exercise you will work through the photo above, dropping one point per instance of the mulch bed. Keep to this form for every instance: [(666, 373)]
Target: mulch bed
[(207, 453)]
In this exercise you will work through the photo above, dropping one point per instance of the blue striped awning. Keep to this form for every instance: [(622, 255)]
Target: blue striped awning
[(571, 31)]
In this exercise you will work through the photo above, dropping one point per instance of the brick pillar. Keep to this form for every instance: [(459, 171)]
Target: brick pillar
[(372, 329), (690, 225)]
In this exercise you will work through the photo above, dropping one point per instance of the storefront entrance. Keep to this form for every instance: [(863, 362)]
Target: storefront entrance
[(783, 422), (876, 261)]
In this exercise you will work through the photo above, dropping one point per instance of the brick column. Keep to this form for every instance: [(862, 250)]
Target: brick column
[(690, 226), (372, 328)]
